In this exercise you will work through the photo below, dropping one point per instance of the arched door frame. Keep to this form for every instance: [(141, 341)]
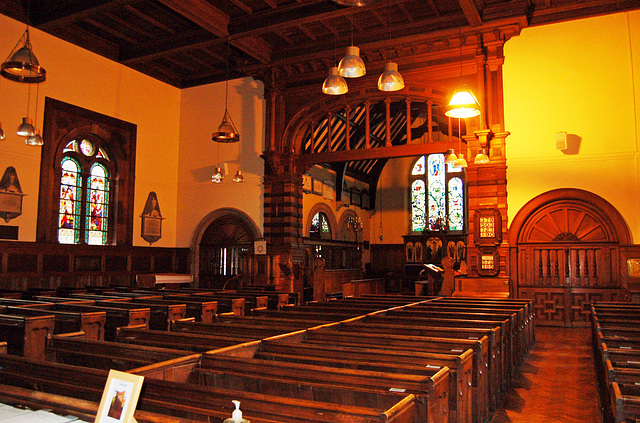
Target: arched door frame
[(208, 220), (572, 260)]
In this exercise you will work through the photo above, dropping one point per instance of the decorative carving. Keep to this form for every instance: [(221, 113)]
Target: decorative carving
[(566, 237), (10, 195)]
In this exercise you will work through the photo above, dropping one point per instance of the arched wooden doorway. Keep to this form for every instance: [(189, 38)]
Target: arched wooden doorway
[(224, 246), (565, 253)]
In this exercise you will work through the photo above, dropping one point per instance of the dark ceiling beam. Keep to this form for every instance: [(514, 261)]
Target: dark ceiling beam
[(377, 153), (49, 19), (471, 12), (255, 47), (242, 6), (186, 41), (202, 13)]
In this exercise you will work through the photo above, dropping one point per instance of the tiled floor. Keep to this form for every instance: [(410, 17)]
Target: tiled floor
[(557, 383)]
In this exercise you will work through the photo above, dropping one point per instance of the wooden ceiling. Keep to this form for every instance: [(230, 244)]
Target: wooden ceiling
[(184, 42)]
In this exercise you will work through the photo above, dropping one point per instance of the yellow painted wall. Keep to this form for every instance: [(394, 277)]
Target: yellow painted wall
[(84, 79), (202, 109), (576, 77)]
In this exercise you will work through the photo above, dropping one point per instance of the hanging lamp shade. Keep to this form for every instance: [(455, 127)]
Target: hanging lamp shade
[(334, 84), (481, 157), (26, 128), (351, 65), (463, 105), (227, 132), (22, 65), (460, 161), (450, 156), (390, 79), (238, 177), (1, 133), (217, 177), (34, 139)]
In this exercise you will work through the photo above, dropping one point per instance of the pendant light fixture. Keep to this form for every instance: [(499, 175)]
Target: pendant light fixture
[(450, 156), (481, 157), (351, 65), (35, 139), (238, 177), (227, 132), (334, 84), (390, 79), (460, 162), (463, 104), (1, 133), (217, 176), (26, 128), (21, 64)]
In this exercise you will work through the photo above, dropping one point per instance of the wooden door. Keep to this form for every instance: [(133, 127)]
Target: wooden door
[(566, 256)]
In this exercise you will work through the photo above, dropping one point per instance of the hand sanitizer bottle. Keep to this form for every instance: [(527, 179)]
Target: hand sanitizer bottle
[(236, 416)]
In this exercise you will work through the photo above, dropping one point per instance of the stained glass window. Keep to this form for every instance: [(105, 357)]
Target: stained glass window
[(436, 190), (84, 200), (437, 195), (96, 216), (320, 226), (418, 214), (456, 204), (418, 167), (70, 197)]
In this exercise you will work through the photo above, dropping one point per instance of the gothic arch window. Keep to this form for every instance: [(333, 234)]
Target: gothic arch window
[(87, 177), (320, 227), (83, 213), (437, 194)]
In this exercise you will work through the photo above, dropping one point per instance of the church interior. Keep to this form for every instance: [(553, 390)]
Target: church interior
[(285, 203)]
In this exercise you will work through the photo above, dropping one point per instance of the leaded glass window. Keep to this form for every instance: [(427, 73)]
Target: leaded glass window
[(97, 206), (83, 215), (70, 199), (437, 195), (418, 213), (320, 226)]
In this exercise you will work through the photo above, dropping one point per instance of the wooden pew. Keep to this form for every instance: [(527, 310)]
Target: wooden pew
[(460, 366), (625, 399), (495, 364), (69, 406), (259, 329), (195, 342), (115, 316), (302, 381), (480, 348), (91, 323), (196, 402), (26, 335), (225, 305), (79, 351)]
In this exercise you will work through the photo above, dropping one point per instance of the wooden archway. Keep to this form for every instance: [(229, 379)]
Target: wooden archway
[(565, 253)]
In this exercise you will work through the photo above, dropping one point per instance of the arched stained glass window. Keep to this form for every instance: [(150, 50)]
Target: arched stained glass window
[(320, 226), (436, 192), (97, 212), (70, 202), (83, 215), (418, 213), (437, 195), (456, 204)]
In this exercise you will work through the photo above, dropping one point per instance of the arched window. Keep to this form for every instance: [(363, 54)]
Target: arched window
[(83, 215), (320, 226), (437, 195)]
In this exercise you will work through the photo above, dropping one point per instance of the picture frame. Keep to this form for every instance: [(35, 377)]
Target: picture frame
[(317, 186), (307, 183), (119, 398)]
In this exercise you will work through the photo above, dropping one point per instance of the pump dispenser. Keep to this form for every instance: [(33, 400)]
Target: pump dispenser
[(236, 416)]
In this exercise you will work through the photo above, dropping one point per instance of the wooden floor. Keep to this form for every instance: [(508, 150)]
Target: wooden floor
[(557, 383)]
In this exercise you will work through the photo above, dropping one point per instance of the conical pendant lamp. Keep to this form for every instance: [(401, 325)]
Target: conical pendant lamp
[(227, 132)]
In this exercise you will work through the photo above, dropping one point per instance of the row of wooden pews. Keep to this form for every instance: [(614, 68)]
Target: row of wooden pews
[(369, 359), (616, 341)]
